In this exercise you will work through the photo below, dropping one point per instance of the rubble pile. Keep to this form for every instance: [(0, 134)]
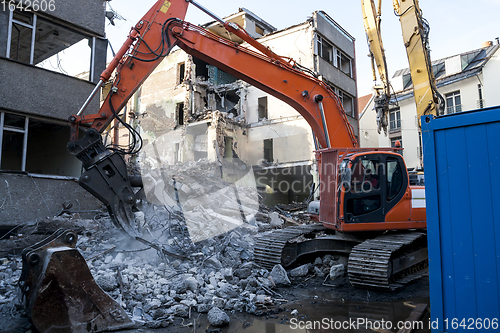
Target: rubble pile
[(195, 253)]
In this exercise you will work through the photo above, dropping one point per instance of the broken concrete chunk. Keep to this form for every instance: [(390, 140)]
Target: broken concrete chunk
[(107, 282), (279, 276), (214, 262), (217, 317), (276, 221), (337, 271), (318, 261), (192, 284), (300, 271), (318, 272)]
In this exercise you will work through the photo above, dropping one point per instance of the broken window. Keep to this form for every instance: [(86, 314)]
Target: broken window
[(181, 73), (201, 69), (13, 130), (217, 76), (259, 30), (268, 150), (324, 49), (32, 145), (41, 42), (345, 64), (228, 147), (180, 113), (262, 107)]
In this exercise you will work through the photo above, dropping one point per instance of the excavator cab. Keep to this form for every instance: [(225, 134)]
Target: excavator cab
[(370, 191), (378, 183)]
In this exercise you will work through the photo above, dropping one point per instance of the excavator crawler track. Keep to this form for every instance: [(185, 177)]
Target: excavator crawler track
[(388, 261), (269, 246)]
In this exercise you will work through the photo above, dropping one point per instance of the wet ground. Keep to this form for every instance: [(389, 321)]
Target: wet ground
[(320, 309)]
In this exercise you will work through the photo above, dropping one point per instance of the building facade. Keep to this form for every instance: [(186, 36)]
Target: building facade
[(200, 112), (41, 50), (467, 81)]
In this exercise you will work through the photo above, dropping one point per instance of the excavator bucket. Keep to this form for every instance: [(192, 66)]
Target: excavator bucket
[(59, 292)]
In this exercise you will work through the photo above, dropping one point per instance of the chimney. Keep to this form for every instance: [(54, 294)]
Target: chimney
[(486, 44), (497, 40)]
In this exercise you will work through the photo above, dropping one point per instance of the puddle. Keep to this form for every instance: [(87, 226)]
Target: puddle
[(315, 315)]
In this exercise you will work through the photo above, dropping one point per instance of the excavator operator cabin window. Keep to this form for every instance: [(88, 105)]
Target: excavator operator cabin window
[(394, 178), (364, 195)]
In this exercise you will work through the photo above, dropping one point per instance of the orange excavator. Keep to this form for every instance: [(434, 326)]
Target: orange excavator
[(367, 208)]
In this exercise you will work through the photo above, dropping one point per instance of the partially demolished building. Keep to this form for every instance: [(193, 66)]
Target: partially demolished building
[(188, 110), (38, 50)]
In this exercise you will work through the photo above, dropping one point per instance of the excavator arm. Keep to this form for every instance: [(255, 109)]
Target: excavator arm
[(149, 41), (371, 21), (415, 30)]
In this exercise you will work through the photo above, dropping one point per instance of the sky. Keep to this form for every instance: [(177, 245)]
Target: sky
[(456, 25)]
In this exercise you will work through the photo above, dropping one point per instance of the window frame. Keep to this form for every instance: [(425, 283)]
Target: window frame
[(3, 129), (453, 97), (397, 120)]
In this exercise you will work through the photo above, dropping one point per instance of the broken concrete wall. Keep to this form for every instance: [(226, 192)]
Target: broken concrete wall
[(161, 95), (27, 197)]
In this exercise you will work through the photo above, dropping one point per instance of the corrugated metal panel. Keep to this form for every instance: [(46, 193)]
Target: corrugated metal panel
[(462, 176)]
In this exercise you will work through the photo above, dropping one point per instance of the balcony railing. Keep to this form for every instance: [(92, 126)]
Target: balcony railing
[(454, 109), (480, 103)]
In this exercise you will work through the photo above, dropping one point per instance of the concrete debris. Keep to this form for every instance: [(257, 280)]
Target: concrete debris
[(217, 317), (294, 312), (276, 221), (214, 275), (300, 271), (279, 276), (337, 271)]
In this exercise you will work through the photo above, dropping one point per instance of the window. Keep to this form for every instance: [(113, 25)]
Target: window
[(467, 59), (13, 141), (262, 107), (32, 145), (346, 101), (268, 150), (394, 178), (182, 71), (345, 64), (453, 102), (259, 30), (480, 101), (324, 49), (228, 147), (406, 81), (180, 113), (394, 120), (396, 139), (37, 41), (394, 142)]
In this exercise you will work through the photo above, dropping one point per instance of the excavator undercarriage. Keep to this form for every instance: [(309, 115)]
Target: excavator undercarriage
[(388, 261)]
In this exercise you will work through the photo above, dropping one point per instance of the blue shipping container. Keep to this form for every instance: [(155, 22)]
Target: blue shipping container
[(462, 185)]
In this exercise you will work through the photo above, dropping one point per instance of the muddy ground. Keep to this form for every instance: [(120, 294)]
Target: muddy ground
[(310, 300)]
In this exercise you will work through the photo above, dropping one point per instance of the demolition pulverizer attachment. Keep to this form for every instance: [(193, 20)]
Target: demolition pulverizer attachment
[(106, 178), (59, 292)]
